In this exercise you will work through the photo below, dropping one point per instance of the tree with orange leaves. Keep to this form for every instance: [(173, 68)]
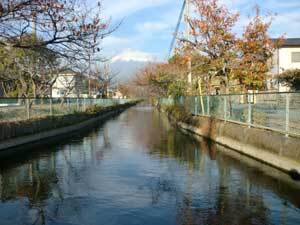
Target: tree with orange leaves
[(255, 50), (212, 37), (163, 79)]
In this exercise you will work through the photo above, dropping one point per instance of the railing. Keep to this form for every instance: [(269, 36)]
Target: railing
[(13, 109), (275, 111)]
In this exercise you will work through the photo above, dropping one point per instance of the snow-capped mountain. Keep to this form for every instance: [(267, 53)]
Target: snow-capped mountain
[(129, 62)]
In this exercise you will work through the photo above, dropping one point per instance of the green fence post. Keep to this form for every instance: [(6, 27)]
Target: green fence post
[(77, 104), (208, 105), (249, 114), (196, 106), (287, 115), (51, 109), (69, 105), (84, 106), (225, 108), (27, 104)]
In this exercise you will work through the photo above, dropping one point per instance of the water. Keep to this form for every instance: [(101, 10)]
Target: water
[(137, 169)]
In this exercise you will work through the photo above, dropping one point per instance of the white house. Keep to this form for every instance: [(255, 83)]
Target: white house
[(286, 57), (118, 95), (67, 84)]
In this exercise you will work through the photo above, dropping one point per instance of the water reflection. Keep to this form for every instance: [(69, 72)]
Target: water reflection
[(138, 169)]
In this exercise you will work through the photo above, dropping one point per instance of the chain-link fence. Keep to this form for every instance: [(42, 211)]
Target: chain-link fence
[(13, 109), (277, 111)]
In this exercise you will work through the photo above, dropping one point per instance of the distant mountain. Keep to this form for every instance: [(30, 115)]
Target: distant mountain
[(129, 62), (127, 69)]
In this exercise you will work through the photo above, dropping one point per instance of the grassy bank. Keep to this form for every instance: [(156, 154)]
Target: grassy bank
[(179, 114)]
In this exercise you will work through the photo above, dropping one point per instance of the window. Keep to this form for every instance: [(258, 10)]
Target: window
[(295, 57)]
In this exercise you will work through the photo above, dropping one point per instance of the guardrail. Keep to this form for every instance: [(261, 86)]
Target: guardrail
[(15, 109), (275, 111)]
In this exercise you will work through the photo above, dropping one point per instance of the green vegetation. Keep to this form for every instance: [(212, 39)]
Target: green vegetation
[(291, 78), (39, 40), (27, 72), (94, 109), (178, 113)]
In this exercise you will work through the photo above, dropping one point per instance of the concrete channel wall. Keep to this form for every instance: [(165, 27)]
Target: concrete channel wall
[(13, 135), (270, 147)]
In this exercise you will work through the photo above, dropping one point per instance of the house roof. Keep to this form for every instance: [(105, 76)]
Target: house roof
[(290, 42)]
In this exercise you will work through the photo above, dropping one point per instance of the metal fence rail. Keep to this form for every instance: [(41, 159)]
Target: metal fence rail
[(276, 111), (13, 109)]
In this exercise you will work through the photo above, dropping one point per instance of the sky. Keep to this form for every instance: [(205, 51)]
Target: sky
[(148, 25)]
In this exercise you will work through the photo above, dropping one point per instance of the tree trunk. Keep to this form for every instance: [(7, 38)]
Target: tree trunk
[(33, 88), (4, 89), (200, 92), (24, 87)]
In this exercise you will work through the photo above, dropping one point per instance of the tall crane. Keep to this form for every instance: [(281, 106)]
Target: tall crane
[(176, 29), (187, 34), (185, 10)]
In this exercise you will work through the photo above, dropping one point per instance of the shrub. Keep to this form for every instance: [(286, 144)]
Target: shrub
[(179, 113), (94, 109), (291, 78)]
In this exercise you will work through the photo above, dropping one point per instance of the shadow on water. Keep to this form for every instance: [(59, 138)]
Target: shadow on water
[(242, 181), (48, 145), (34, 178), (138, 169)]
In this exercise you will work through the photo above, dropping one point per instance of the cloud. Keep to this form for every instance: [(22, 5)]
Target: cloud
[(113, 45), (133, 55), (162, 26), (279, 5), (149, 24), (152, 26), (287, 23), (158, 26), (120, 8), (234, 4), (111, 41)]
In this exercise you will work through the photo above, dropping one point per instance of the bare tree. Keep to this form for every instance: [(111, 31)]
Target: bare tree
[(39, 39), (32, 72), (67, 27), (106, 78)]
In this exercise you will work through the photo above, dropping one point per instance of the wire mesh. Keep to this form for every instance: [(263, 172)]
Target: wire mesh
[(294, 113), (277, 111), (13, 109)]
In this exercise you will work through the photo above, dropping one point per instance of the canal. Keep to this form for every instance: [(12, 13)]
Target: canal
[(138, 169)]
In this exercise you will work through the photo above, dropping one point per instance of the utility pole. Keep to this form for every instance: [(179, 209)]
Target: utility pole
[(187, 34)]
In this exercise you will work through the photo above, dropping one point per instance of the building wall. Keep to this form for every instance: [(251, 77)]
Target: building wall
[(285, 59), (63, 82), (281, 61), (67, 83)]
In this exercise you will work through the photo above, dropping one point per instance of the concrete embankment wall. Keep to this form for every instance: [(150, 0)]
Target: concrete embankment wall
[(16, 134), (267, 146)]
